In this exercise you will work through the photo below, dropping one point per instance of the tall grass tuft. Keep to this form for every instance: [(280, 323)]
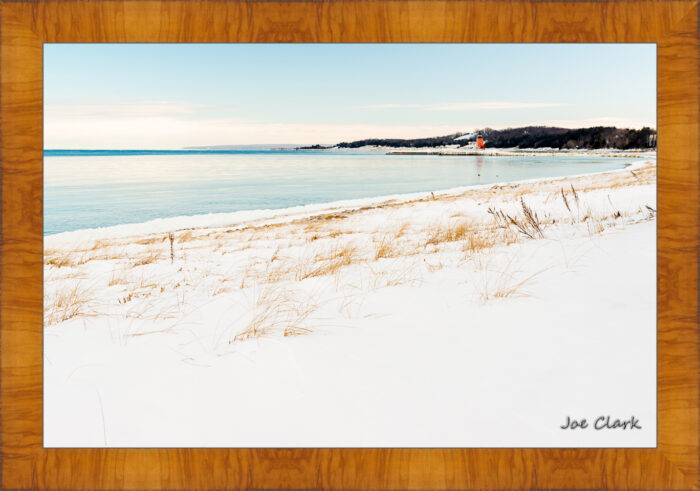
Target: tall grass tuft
[(447, 233), (276, 312), (531, 225), (384, 248), (150, 256), (505, 283), (66, 303), (326, 264), (528, 224)]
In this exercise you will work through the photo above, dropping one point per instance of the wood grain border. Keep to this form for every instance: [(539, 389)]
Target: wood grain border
[(26, 25)]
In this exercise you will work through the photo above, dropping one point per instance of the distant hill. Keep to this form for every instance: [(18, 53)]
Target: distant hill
[(436, 141), (530, 137), (265, 146)]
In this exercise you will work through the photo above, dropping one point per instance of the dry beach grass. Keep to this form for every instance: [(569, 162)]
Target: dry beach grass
[(356, 251)]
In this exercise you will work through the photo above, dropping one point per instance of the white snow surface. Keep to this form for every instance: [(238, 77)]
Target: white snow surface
[(436, 342)]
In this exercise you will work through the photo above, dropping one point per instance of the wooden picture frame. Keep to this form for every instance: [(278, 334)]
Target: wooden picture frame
[(26, 25)]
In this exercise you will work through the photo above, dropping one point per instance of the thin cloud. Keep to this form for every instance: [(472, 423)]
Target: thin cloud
[(126, 109), (466, 106), (170, 131)]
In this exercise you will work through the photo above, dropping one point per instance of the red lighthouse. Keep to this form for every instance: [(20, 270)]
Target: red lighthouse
[(480, 141)]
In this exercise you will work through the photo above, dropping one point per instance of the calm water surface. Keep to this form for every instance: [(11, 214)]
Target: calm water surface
[(89, 189)]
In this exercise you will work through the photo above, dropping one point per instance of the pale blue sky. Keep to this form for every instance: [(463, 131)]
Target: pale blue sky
[(177, 95)]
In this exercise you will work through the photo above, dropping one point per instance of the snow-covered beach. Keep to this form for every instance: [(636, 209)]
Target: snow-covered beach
[(435, 319), (456, 149)]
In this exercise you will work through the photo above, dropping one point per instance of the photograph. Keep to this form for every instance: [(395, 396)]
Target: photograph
[(339, 245)]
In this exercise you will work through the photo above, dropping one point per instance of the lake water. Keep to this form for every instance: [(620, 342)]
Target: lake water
[(91, 189)]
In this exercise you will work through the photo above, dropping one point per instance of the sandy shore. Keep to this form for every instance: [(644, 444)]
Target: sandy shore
[(312, 329)]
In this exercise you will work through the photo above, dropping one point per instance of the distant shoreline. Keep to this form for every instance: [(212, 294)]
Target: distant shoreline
[(523, 152), (444, 151), (456, 151)]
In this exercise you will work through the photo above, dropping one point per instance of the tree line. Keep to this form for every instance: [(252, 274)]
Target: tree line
[(527, 137)]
